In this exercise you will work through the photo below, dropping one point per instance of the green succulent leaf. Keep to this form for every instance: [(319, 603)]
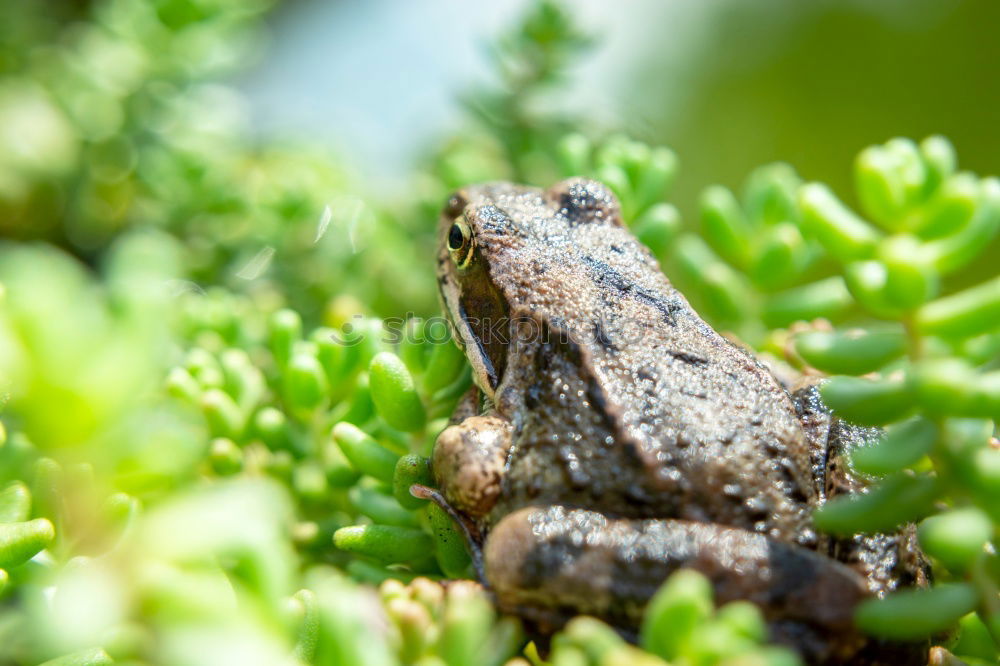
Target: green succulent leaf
[(898, 499), (15, 502), (678, 607), (902, 445), (724, 225), (364, 453), (914, 614), (449, 544), (956, 537), (844, 235), (828, 298), (851, 352), (868, 401), (411, 469), (386, 543), (395, 394), (21, 541), (305, 383), (285, 331), (966, 313)]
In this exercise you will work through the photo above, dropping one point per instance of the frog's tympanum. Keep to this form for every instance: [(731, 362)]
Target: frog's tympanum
[(613, 437)]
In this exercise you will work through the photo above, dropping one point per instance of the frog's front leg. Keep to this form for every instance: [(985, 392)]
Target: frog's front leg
[(468, 462), (549, 563)]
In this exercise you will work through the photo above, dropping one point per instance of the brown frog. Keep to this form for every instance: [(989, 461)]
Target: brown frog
[(613, 437)]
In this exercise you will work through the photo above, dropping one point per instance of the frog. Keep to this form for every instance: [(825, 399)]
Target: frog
[(611, 437)]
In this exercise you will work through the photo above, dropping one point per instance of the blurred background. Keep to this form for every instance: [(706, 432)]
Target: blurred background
[(93, 94), (728, 84)]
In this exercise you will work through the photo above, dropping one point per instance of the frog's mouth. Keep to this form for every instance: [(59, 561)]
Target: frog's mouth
[(480, 320), (478, 353)]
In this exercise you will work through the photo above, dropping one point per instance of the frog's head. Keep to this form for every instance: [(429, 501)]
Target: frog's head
[(493, 242), (474, 304)]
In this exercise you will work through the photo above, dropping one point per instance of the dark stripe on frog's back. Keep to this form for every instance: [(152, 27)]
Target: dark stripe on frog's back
[(607, 277)]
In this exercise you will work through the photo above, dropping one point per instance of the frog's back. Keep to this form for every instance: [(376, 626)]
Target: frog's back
[(621, 396)]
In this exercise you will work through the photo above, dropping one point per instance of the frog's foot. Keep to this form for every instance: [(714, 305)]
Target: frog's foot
[(473, 539), (548, 564)]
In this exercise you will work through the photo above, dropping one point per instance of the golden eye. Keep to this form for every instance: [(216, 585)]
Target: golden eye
[(460, 243)]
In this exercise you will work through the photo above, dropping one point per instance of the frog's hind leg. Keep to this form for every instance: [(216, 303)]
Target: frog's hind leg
[(549, 564)]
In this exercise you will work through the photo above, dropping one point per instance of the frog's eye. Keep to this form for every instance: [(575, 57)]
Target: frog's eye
[(457, 236), (460, 243)]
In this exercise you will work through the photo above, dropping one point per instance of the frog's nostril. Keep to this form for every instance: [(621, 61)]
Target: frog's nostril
[(456, 204)]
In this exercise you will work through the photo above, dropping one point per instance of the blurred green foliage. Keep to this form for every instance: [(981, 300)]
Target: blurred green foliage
[(208, 431), (812, 82), (114, 123)]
